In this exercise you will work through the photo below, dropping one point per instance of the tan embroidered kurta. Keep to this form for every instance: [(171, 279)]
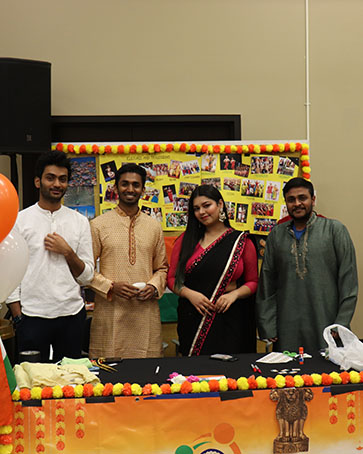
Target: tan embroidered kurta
[(130, 251)]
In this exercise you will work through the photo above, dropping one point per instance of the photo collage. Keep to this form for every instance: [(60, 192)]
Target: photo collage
[(251, 186)]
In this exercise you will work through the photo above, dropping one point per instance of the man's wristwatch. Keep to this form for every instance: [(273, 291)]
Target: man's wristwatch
[(17, 319)]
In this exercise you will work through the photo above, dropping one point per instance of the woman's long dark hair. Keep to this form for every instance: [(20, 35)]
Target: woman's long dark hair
[(195, 230)]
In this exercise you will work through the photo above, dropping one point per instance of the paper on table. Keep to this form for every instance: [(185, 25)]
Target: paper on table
[(274, 357)]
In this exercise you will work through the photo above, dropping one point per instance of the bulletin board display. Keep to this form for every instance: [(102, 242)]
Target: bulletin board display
[(250, 183)]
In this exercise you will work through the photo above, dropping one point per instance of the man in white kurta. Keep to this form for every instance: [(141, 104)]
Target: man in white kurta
[(130, 247)]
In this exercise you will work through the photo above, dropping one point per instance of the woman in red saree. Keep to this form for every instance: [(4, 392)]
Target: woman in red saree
[(213, 269)]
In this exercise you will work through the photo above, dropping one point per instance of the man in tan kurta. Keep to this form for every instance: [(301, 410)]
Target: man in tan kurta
[(130, 246)]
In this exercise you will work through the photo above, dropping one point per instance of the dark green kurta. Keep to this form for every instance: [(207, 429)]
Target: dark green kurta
[(306, 285)]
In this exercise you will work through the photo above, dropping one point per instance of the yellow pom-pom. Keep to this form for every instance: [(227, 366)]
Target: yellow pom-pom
[(98, 389), (245, 148), (316, 379), (139, 149), (280, 381), (281, 147), (233, 149), (36, 393), (65, 149), (78, 391), (6, 449), (117, 389), (163, 147), (16, 395), (151, 148), (354, 376), (155, 389), (261, 382), (76, 149), (299, 381), (304, 157), (88, 148), (196, 387), (306, 169), (223, 147), (175, 388), (336, 378), (269, 148), (187, 148), (5, 430), (136, 389), (305, 146), (257, 149), (53, 147), (242, 383), (127, 149), (292, 146), (114, 149), (223, 384), (204, 386), (176, 146), (57, 392), (101, 149), (199, 147), (210, 148)]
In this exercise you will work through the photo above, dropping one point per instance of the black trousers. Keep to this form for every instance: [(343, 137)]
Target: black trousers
[(64, 334)]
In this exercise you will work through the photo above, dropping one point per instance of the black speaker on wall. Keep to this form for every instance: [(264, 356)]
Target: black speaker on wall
[(25, 122)]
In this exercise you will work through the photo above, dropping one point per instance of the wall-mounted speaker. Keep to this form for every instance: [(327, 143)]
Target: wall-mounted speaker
[(25, 121)]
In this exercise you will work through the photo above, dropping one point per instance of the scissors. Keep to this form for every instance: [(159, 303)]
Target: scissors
[(291, 354)]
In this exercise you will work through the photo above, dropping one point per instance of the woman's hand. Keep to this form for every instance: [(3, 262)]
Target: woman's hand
[(199, 301), (225, 301)]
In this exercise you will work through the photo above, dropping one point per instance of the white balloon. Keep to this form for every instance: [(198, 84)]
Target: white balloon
[(14, 258)]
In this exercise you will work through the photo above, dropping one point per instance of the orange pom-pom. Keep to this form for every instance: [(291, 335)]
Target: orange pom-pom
[(108, 149), (239, 149), (107, 390), (157, 148), (213, 385), (289, 381), (6, 439), (59, 147), (68, 391), (47, 392), (287, 147), (216, 149), (133, 149), (271, 383), (345, 377), (193, 148), (70, 148), (298, 146), (232, 383), (95, 149), (183, 147), (88, 390), (275, 148), (186, 387), (227, 149), (25, 394), (305, 152), (120, 149), (204, 149), (308, 381), (165, 388), (326, 379), (83, 149), (127, 391), (252, 382), (147, 390), (263, 148), (169, 147)]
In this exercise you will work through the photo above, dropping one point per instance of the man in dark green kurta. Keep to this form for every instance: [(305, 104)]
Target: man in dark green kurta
[(308, 278)]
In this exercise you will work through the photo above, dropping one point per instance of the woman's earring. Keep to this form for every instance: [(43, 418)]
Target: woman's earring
[(222, 216)]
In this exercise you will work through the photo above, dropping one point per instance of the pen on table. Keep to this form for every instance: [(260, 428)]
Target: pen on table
[(258, 369), (253, 367), (157, 369)]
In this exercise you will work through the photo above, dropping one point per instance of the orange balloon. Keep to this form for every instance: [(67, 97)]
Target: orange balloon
[(9, 206)]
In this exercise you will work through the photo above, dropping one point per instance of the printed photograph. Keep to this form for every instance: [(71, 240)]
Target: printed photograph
[(273, 189), (216, 182), (231, 184), (180, 204), (109, 170), (252, 188), (283, 211), (176, 219), (241, 215), (83, 172), (262, 164), (262, 209), (186, 189), (229, 161), (190, 167), (146, 210), (169, 193), (111, 194), (174, 169), (150, 172), (157, 214), (79, 195), (151, 194), (264, 225), (88, 211), (287, 166), (209, 163), (161, 169), (242, 170), (231, 210)]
